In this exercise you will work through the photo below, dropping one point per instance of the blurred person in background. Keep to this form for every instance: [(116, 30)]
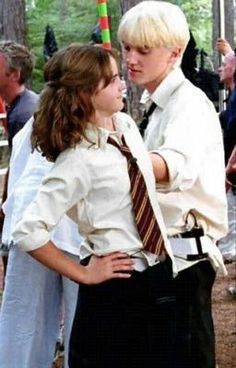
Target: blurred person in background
[(16, 66), (227, 73)]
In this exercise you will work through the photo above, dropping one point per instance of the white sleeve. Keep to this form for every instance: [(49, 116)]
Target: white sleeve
[(67, 183), (188, 137)]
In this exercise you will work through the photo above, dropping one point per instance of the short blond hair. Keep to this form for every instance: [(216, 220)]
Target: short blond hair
[(154, 24)]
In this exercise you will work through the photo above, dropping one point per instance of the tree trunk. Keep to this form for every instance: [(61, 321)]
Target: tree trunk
[(228, 26), (13, 20), (63, 9), (1, 18), (133, 92)]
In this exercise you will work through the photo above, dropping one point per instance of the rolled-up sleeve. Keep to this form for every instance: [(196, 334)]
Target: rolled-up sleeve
[(181, 151), (66, 184)]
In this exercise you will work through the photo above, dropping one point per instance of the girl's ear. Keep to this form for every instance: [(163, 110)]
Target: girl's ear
[(85, 97), (84, 105)]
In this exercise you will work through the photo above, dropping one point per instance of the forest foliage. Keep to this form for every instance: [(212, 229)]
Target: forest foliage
[(73, 21)]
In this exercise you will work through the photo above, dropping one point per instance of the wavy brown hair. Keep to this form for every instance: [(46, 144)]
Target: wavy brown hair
[(73, 75)]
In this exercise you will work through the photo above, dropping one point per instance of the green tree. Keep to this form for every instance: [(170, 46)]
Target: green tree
[(73, 21)]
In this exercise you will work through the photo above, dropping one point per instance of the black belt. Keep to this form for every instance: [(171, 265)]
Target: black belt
[(196, 233)]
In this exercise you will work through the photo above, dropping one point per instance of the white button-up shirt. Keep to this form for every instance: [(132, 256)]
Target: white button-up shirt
[(25, 176), (91, 183), (184, 129)]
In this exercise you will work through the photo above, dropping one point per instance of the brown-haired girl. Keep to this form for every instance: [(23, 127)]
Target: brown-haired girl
[(125, 312)]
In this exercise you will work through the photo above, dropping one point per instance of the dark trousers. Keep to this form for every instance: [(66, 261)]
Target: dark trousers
[(127, 323), (195, 331)]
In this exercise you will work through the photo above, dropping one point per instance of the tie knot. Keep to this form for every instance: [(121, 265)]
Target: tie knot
[(124, 149)]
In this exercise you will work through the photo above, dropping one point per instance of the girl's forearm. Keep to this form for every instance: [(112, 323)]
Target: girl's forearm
[(52, 257), (99, 269)]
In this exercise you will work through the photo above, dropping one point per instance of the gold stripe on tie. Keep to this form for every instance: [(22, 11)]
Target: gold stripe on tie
[(147, 225)]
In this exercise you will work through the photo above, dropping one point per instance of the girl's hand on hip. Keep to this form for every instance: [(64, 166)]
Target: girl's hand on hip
[(116, 265)]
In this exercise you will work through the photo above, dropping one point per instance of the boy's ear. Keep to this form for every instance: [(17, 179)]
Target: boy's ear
[(175, 54)]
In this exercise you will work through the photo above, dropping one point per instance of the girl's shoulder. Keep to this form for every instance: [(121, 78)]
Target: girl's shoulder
[(125, 121)]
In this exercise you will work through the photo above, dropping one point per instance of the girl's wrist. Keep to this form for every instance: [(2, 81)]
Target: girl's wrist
[(81, 276)]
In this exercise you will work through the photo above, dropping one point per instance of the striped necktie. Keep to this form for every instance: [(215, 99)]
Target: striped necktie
[(146, 221)]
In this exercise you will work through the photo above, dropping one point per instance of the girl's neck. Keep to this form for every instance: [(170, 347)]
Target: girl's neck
[(104, 122)]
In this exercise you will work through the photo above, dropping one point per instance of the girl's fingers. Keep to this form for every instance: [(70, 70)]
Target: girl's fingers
[(117, 255), (125, 262), (120, 275), (122, 268)]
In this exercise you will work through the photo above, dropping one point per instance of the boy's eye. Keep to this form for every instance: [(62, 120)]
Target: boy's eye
[(126, 47), (143, 50)]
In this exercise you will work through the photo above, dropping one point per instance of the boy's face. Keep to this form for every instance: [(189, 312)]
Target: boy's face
[(149, 66)]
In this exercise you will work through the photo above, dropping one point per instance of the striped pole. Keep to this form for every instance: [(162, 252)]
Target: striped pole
[(104, 24), (222, 91)]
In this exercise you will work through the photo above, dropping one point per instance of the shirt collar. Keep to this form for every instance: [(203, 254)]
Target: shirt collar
[(167, 87), (16, 99), (99, 135)]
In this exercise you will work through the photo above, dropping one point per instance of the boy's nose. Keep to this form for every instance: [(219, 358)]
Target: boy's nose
[(131, 57)]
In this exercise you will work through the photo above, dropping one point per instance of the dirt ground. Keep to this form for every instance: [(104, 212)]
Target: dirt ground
[(224, 311)]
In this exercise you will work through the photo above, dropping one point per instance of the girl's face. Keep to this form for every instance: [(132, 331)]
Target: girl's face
[(106, 101)]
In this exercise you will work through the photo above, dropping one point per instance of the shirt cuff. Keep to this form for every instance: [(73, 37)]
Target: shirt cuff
[(175, 172), (31, 242)]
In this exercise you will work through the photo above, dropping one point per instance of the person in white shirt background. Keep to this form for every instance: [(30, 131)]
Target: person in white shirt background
[(125, 316), (34, 298), (185, 139)]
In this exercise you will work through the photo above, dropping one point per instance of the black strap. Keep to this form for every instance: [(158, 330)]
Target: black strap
[(144, 123), (196, 232)]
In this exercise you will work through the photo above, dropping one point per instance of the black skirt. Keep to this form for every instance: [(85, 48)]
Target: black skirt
[(126, 322)]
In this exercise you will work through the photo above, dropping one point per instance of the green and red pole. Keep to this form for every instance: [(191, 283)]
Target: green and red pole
[(104, 24)]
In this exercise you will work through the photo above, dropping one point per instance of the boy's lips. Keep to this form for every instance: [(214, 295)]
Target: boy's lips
[(132, 70)]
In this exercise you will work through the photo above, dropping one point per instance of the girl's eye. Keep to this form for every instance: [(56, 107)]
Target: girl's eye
[(115, 78)]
